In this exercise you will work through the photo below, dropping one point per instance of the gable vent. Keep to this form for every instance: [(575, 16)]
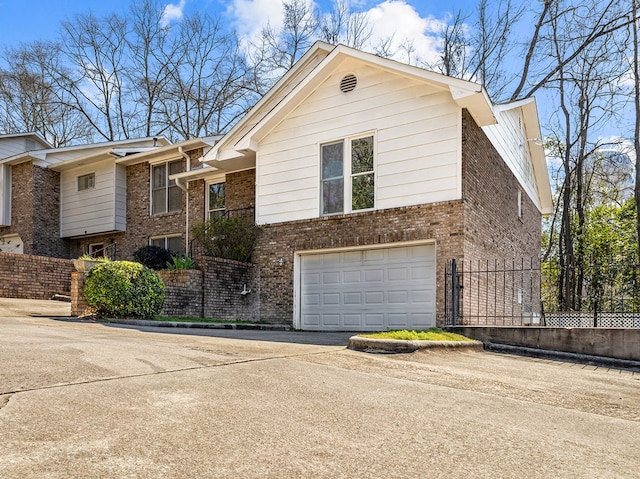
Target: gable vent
[(348, 83)]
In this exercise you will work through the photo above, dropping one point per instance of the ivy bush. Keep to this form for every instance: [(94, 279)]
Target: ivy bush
[(230, 238), (124, 289), (153, 257)]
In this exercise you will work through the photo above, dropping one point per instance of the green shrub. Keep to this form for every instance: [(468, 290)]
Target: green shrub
[(88, 257), (229, 238), (153, 257), (124, 289), (181, 262)]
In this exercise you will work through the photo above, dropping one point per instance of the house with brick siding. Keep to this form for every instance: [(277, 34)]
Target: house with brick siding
[(367, 176), (10, 145), (63, 202)]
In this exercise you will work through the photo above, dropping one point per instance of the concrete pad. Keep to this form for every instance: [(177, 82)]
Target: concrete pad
[(83, 399)]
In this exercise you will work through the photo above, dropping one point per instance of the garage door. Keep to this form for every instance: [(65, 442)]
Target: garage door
[(368, 290)]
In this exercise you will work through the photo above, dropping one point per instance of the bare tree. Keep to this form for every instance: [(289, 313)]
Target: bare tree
[(344, 25), (29, 101), (151, 51), (94, 51), (205, 92), (280, 48), (635, 67), (475, 48), (596, 19), (588, 97)]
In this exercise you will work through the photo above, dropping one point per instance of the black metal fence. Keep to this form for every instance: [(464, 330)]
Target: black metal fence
[(525, 292)]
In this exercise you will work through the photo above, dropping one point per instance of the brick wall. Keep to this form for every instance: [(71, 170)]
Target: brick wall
[(493, 229), (35, 210), (184, 293), (441, 222), (223, 281), (140, 224), (33, 277), (79, 305), (46, 214), (494, 235), (241, 190), (21, 205)]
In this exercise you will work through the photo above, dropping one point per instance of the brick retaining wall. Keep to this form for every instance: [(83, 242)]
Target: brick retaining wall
[(223, 281), (33, 277), (184, 293)]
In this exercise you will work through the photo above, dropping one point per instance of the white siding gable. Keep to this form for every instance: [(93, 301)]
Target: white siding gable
[(509, 138), (15, 145), (96, 210), (417, 131)]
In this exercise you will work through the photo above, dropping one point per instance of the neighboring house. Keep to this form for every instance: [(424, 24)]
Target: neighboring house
[(11, 145), (367, 176), (63, 202), (161, 210)]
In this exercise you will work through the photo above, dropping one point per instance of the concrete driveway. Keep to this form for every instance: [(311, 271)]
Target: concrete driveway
[(88, 400)]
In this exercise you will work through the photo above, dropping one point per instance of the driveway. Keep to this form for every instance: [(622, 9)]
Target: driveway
[(89, 400)]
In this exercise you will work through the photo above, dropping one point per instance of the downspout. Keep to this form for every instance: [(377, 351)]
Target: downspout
[(185, 187)]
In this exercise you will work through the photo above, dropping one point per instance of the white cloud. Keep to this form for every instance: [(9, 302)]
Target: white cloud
[(173, 12), (251, 16), (390, 18), (398, 19)]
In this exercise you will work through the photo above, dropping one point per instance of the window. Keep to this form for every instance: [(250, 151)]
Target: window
[(86, 182), (216, 200), (166, 196), (171, 242), (357, 192)]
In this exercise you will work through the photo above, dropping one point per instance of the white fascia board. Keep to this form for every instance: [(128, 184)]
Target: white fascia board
[(202, 173), (83, 160), (538, 157), (477, 102), (256, 110)]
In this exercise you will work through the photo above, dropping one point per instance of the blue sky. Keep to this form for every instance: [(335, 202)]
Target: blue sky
[(29, 20), (24, 21)]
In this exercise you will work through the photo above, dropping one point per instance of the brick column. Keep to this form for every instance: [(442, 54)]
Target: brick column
[(79, 306)]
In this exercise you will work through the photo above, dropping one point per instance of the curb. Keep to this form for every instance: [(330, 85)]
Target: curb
[(393, 346), (602, 361), (196, 325)]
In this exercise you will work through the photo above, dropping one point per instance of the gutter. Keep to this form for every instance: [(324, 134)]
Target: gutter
[(184, 186)]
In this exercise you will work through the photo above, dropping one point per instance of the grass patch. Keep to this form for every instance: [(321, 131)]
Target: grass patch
[(432, 334), (170, 319)]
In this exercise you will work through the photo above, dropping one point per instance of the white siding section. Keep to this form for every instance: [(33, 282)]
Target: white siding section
[(510, 140), (97, 210), (5, 195), (416, 130), (14, 146)]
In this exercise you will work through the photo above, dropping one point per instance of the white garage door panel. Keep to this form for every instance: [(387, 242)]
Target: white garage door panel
[(377, 289)]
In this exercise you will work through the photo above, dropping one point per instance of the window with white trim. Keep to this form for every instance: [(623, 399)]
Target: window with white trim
[(347, 175), (86, 182), (172, 243), (166, 195), (216, 200)]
